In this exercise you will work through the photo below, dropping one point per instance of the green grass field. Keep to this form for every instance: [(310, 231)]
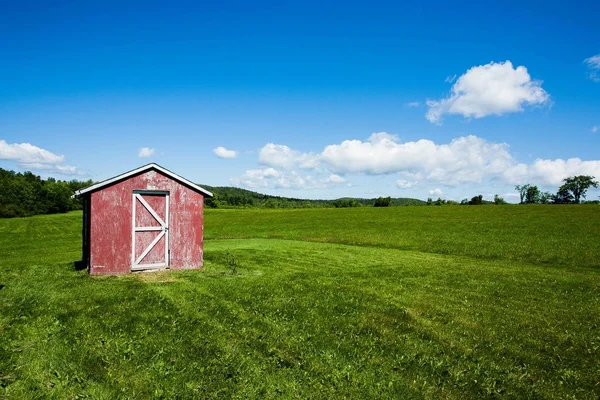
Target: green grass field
[(406, 302)]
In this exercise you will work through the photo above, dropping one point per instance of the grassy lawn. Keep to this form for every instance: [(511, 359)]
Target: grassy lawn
[(564, 235), (361, 303)]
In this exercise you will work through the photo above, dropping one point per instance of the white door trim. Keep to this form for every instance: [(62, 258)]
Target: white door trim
[(163, 229)]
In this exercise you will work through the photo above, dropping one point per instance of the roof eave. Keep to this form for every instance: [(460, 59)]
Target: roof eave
[(139, 170)]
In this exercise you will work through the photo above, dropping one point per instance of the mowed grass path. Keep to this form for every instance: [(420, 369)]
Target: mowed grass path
[(301, 319)]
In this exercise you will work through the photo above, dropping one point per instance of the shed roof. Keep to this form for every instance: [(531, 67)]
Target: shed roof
[(141, 169)]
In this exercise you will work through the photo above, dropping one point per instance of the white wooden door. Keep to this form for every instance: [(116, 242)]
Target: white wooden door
[(150, 230)]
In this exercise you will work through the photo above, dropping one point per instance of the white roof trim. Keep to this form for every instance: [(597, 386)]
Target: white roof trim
[(140, 170)]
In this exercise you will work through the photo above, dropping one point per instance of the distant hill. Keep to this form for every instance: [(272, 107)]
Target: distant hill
[(228, 197)]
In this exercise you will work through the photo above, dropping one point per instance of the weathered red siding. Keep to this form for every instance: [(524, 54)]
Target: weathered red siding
[(111, 223)]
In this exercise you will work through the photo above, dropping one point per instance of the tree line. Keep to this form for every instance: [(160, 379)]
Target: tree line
[(572, 191), (233, 197), (26, 194), (475, 201)]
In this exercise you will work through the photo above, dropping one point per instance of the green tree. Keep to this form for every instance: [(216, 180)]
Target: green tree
[(532, 195), (56, 197), (563, 196), (476, 200), (345, 203), (499, 200), (546, 197), (24, 194), (383, 202), (211, 202), (522, 189), (577, 186)]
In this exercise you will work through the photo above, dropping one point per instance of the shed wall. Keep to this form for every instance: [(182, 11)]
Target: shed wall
[(110, 223)]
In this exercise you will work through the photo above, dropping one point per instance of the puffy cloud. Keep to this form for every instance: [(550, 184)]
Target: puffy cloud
[(550, 172), (404, 184), (436, 192), (465, 159), (145, 152), (276, 179), (222, 152), (593, 64), (278, 155), (281, 156), (491, 89), (272, 178), (28, 153), (33, 157)]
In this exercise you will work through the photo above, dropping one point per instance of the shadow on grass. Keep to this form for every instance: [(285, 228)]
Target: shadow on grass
[(79, 265)]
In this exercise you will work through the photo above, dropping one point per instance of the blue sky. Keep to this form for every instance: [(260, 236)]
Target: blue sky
[(302, 99)]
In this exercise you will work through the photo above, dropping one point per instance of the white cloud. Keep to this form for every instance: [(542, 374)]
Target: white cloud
[(60, 169), (28, 153), (436, 192), (593, 64), (334, 178), (404, 184), (67, 170), (278, 155), (491, 89), (146, 152), (281, 156), (413, 104), (465, 159), (222, 152), (593, 61), (550, 172), (276, 179), (33, 157), (594, 129), (272, 178)]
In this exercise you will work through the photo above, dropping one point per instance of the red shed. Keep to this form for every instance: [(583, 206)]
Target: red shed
[(148, 218)]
